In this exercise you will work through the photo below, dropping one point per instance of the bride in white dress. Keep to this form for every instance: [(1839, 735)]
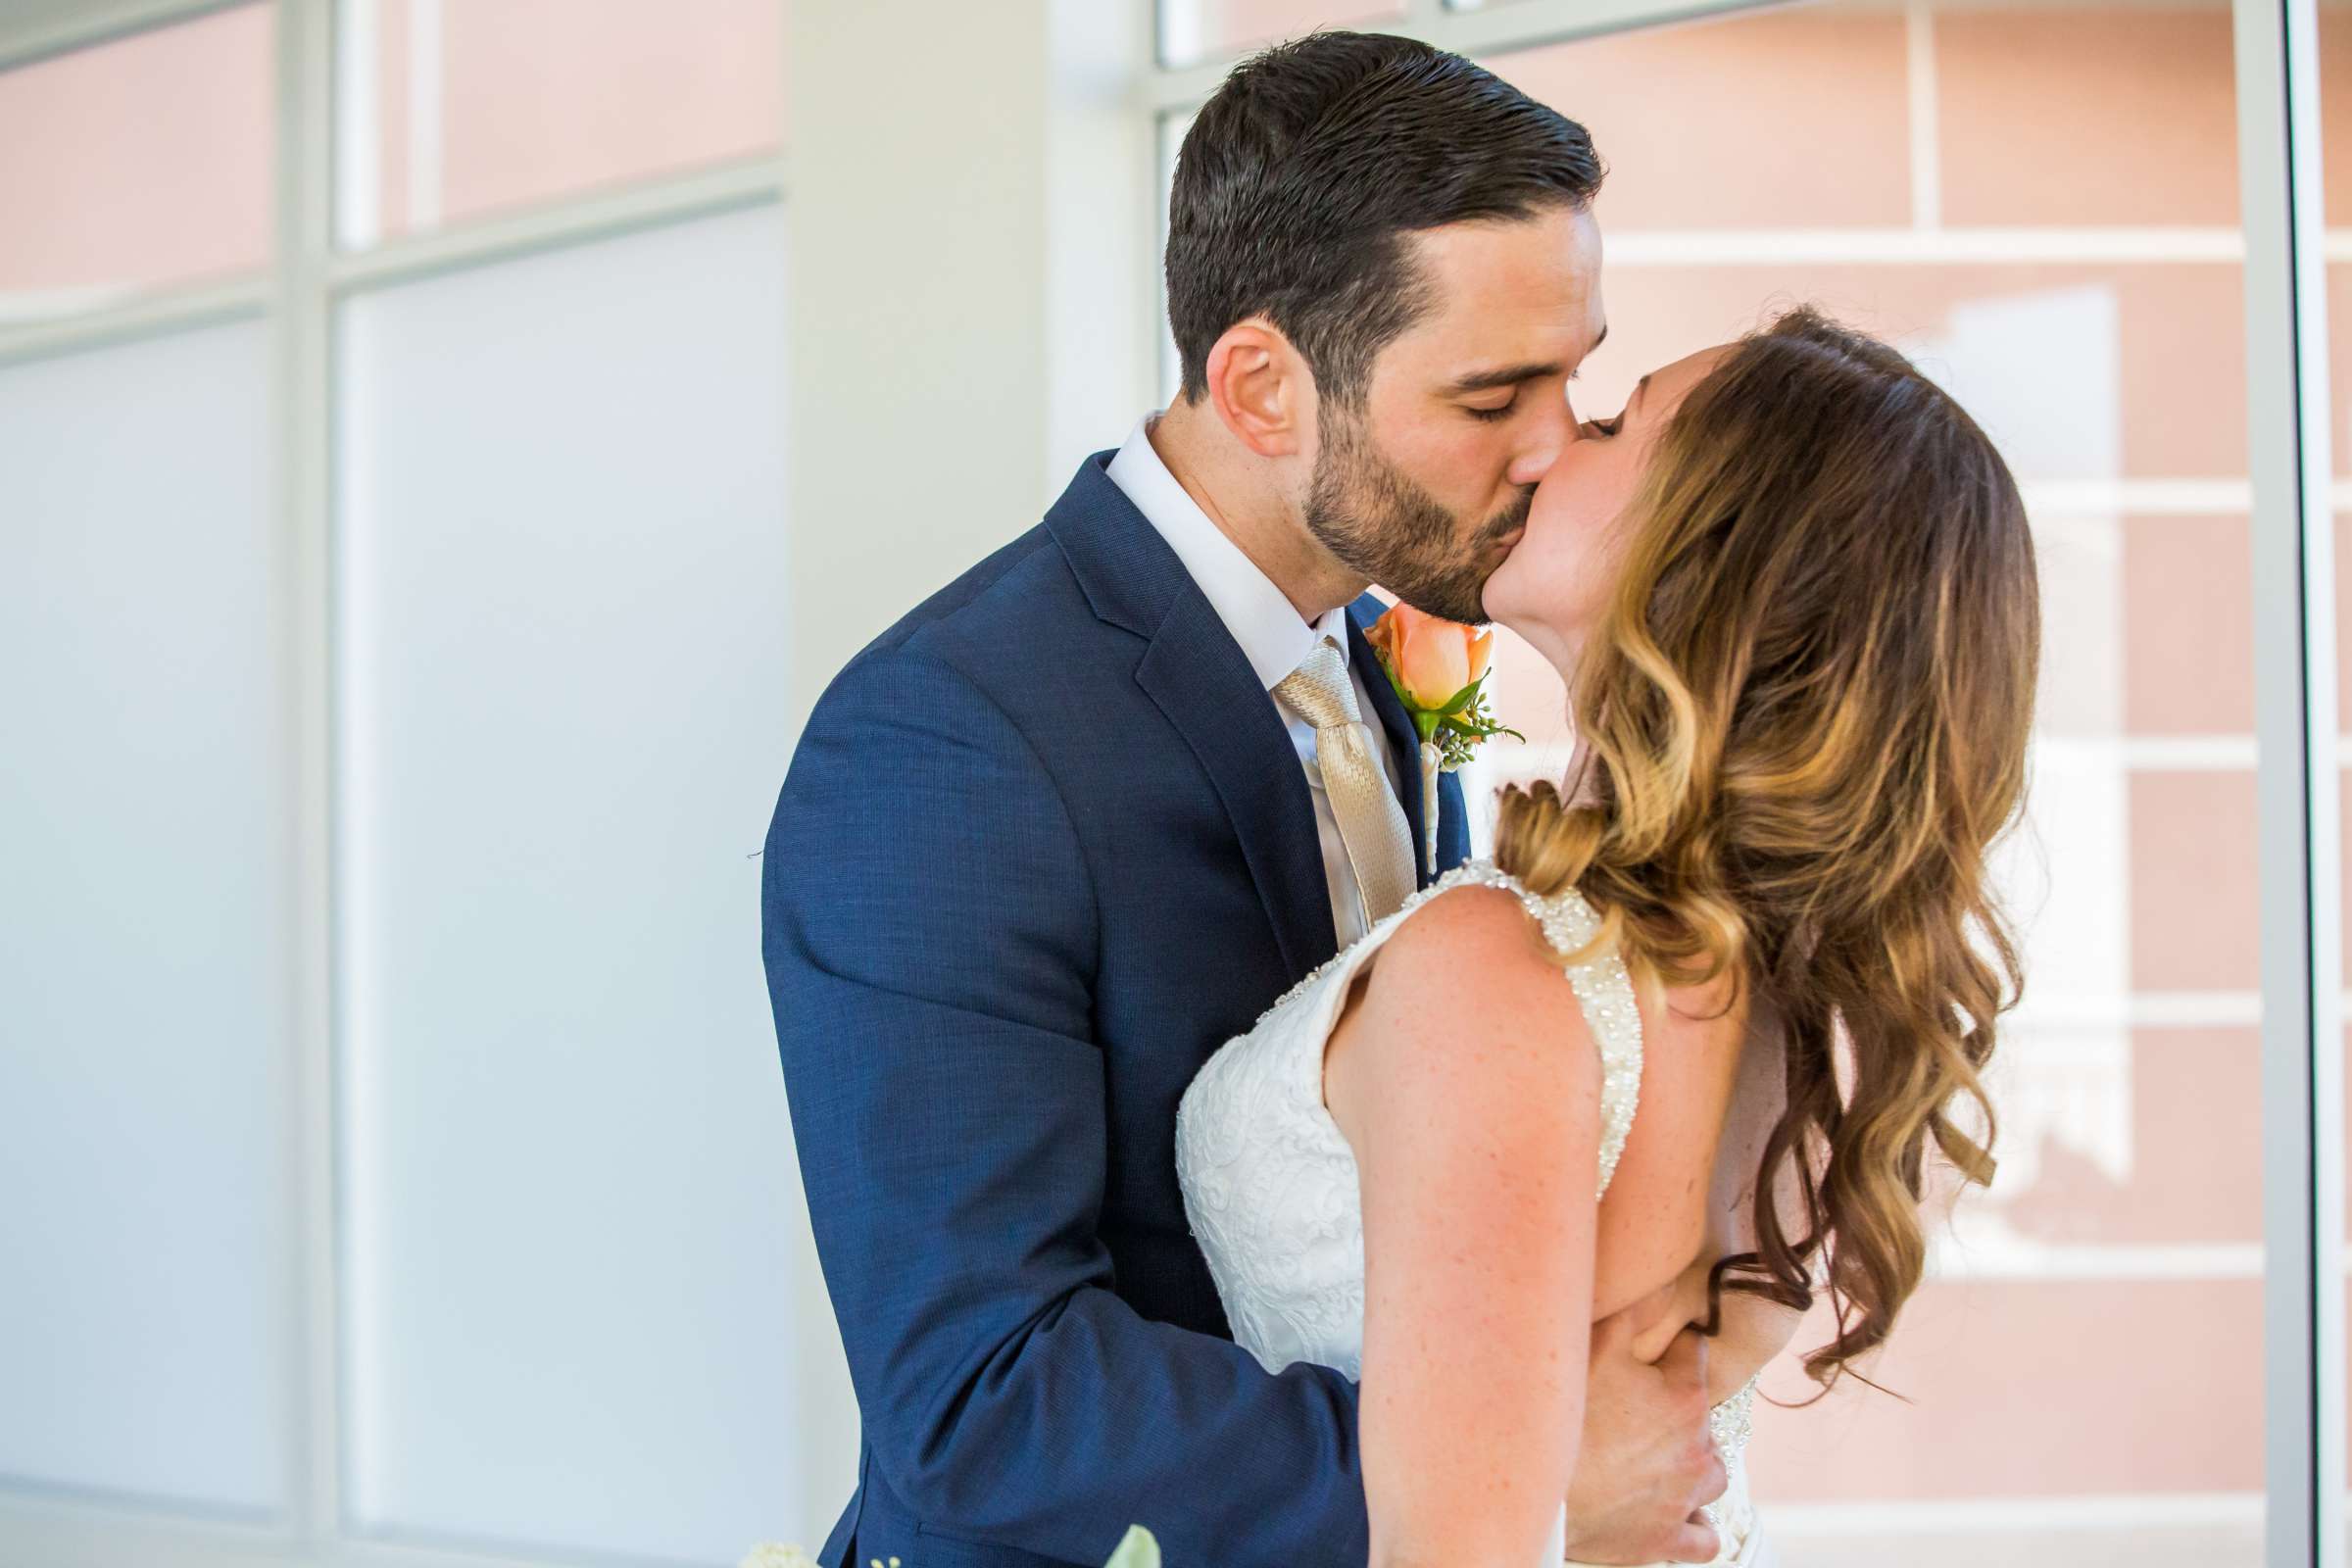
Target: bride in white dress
[(1792, 592)]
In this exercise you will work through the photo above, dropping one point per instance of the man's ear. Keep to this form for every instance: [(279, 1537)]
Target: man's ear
[(1261, 388)]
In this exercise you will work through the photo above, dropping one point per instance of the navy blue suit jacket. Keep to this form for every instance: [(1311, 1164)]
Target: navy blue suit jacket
[(1042, 848)]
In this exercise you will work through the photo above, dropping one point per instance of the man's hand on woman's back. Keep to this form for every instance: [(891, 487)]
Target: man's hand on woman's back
[(1647, 1462)]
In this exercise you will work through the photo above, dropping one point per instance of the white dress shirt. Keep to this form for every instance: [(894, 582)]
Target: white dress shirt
[(1272, 637)]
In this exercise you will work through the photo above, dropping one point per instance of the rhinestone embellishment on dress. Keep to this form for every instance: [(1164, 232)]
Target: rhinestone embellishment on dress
[(1733, 1422)]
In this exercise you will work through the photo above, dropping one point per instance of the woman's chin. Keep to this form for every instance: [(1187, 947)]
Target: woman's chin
[(1508, 609), (1497, 598)]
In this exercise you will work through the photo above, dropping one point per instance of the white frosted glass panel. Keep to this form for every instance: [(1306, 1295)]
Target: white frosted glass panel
[(144, 933), (561, 558)]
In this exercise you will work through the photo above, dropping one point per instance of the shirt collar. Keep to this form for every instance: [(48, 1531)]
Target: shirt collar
[(1258, 615)]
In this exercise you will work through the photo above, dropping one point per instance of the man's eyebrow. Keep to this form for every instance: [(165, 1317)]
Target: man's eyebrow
[(1513, 374), (1507, 375)]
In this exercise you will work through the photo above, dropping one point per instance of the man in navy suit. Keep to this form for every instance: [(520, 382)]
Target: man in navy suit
[(1056, 836)]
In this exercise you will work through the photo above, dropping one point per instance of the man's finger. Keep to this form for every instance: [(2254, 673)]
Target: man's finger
[(1613, 1331), (1714, 1480), (1695, 1542)]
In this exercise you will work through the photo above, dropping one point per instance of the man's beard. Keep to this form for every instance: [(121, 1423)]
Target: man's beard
[(1379, 522)]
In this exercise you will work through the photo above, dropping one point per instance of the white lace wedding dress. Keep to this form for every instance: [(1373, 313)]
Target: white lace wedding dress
[(1270, 1182)]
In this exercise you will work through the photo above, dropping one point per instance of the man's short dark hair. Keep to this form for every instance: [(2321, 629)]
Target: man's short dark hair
[(1299, 179)]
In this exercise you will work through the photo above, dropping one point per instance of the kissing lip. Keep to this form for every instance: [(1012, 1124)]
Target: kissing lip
[(1509, 540)]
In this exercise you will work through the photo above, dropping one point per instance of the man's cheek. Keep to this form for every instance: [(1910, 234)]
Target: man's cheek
[(1455, 447)]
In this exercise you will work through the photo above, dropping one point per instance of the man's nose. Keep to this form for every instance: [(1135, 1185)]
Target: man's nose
[(1545, 441)]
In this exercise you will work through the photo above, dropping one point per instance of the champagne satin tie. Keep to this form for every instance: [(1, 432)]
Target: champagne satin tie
[(1380, 844)]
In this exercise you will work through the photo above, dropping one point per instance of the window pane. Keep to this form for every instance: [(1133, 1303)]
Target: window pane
[(452, 110), (2126, 1223), (144, 937), (136, 164), (1192, 31), (562, 717)]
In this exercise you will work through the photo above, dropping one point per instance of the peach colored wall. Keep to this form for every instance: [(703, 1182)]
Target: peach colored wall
[(392, 70), (1200, 27), (2180, 372), (2181, 573), (541, 98), (2192, 1089), (546, 96), (1724, 125), (2036, 1388), (147, 159), (144, 162), (2065, 117), (2193, 900)]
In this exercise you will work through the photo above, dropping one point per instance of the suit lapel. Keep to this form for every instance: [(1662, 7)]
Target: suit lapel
[(1405, 743), (1197, 674)]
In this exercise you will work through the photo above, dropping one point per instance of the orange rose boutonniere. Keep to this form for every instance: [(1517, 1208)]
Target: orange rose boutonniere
[(1439, 669)]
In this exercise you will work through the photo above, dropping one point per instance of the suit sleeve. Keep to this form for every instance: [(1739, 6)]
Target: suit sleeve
[(930, 937)]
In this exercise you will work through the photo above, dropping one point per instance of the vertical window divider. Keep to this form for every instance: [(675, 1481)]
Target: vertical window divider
[(301, 390), (2300, 867)]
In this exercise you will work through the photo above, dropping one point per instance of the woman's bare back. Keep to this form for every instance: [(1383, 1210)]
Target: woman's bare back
[(1714, 1081)]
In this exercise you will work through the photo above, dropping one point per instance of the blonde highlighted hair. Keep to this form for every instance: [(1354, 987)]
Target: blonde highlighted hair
[(1802, 725)]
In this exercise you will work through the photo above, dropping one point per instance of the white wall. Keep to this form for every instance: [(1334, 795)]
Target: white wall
[(973, 289)]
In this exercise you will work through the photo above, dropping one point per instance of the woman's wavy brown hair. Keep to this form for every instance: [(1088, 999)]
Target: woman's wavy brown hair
[(1801, 724)]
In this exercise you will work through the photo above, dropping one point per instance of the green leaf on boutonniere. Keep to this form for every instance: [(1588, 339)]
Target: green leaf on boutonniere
[(1467, 697), (1459, 730)]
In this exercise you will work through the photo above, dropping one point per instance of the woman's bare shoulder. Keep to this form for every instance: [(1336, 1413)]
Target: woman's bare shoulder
[(1466, 1001)]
